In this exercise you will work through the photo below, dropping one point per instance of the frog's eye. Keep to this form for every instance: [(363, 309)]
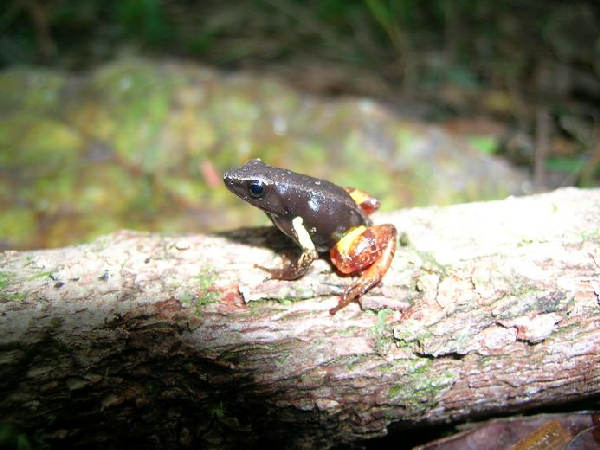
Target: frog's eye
[(256, 188)]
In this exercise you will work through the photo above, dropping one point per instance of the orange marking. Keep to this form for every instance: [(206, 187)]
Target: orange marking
[(345, 244), (366, 202)]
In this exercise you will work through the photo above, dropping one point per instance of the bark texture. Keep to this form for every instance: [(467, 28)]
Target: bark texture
[(158, 341)]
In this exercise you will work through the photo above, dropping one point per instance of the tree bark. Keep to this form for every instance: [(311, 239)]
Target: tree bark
[(154, 341)]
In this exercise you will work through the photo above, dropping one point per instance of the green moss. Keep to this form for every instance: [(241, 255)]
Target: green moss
[(101, 184), (137, 98), (217, 411), (36, 91), (387, 368), (279, 100), (188, 190), (266, 306), (186, 299), (406, 139), (234, 106), (484, 143), (430, 264), (206, 296), (206, 279), (524, 242), (14, 297), (255, 308), (389, 415), (53, 193), (420, 386), (411, 334), (17, 225), (355, 361), (128, 80), (196, 134), (283, 359), (206, 299), (44, 274), (38, 144), (295, 316), (382, 331), (5, 278), (288, 300), (523, 299), (139, 145), (349, 331), (590, 235), (395, 391), (382, 327), (6, 192)]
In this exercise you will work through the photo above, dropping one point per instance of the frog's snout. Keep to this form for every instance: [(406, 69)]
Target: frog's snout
[(232, 183), (227, 179)]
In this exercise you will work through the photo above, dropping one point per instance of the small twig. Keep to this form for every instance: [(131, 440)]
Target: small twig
[(542, 145), (41, 23)]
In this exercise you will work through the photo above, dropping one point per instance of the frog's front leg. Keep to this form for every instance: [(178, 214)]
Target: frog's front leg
[(295, 269), (368, 251)]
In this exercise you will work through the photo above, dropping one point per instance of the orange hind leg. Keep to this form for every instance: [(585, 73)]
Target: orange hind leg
[(368, 251)]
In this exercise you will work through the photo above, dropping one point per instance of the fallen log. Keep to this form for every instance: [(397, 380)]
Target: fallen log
[(152, 341)]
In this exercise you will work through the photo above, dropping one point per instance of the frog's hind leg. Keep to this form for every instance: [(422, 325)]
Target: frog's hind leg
[(365, 201), (369, 251)]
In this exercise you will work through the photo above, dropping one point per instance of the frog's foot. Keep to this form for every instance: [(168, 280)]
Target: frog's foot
[(367, 250), (367, 203), (291, 270)]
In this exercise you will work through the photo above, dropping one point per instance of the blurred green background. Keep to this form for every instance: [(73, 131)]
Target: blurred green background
[(124, 114)]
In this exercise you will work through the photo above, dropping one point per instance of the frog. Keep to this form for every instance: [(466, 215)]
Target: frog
[(319, 216)]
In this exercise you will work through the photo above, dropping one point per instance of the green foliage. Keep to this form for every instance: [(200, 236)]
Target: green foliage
[(143, 18), (390, 15), (485, 144), (565, 164), (12, 438), (348, 27)]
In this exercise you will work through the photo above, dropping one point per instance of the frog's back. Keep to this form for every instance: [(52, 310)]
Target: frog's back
[(327, 210)]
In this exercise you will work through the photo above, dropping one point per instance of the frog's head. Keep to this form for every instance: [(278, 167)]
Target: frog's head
[(257, 183)]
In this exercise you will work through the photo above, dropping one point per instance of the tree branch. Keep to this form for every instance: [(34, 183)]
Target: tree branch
[(147, 339)]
